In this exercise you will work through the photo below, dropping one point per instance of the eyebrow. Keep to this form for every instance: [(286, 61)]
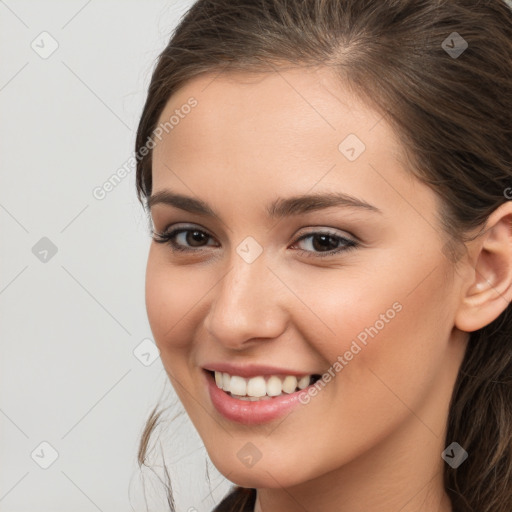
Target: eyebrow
[(281, 207)]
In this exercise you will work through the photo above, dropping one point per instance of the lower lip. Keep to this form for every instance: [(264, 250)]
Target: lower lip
[(248, 412)]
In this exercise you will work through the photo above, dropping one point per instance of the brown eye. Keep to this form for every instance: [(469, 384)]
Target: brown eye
[(325, 244), (183, 239), (195, 237)]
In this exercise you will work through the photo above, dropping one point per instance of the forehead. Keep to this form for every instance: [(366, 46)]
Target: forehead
[(293, 110), (286, 130)]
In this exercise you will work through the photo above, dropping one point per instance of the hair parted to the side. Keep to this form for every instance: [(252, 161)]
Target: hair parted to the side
[(453, 117)]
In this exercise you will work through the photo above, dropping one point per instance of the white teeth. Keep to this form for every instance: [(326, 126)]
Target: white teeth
[(225, 381), (238, 385), (303, 382), (289, 384), (257, 388), (274, 386)]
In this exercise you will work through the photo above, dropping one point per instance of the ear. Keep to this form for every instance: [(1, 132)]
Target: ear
[(488, 290)]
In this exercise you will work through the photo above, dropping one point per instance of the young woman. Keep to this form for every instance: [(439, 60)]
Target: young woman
[(329, 283)]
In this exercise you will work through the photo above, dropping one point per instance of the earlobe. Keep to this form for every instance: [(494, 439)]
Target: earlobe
[(489, 292)]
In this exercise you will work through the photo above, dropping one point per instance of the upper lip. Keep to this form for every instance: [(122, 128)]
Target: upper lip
[(252, 370)]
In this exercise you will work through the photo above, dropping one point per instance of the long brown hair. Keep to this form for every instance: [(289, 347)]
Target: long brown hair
[(453, 115)]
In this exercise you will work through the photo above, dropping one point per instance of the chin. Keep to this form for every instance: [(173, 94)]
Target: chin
[(264, 474), (261, 480)]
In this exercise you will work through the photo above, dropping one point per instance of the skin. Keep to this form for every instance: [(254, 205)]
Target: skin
[(372, 438)]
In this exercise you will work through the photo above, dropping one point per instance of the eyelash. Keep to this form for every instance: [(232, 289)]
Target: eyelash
[(167, 238)]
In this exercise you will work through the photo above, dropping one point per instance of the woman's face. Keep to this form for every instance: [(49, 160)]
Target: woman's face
[(358, 288)]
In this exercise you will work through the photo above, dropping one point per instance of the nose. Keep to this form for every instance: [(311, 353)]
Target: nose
[(247, 305)]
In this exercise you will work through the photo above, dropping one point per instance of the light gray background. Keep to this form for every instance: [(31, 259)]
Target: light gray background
[(70, 323)]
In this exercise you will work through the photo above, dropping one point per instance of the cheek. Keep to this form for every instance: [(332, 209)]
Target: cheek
[(380, 334), (394, 341), (343, 311), (171, 295), (407, 306)]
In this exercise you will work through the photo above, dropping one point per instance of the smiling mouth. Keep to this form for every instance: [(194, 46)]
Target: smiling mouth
[(261, 387)]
